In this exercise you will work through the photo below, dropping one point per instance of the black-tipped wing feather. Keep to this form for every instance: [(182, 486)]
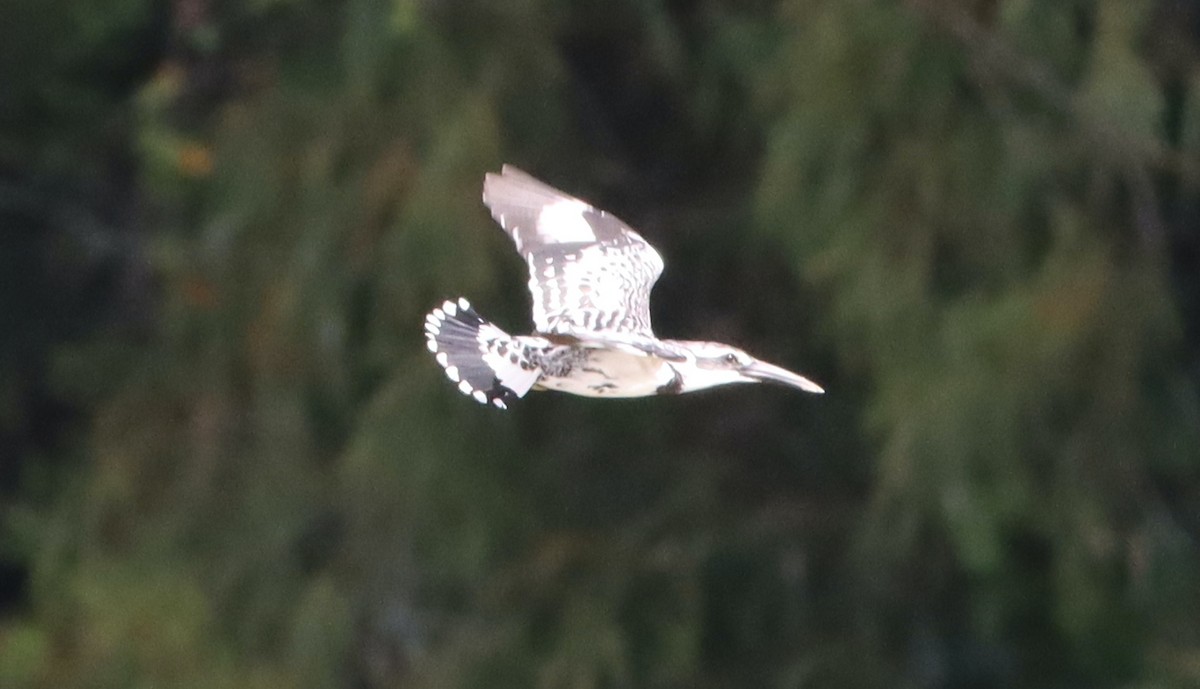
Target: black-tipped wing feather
[(481, 359), (588, 271)]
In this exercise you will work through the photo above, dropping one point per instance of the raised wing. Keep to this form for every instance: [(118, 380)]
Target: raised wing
[(588, 271)]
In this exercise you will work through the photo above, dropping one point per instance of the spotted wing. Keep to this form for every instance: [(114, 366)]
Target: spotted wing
[(480, 358), (588, 271)]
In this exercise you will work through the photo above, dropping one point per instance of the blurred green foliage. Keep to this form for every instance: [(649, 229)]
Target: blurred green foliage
[(229, 462)]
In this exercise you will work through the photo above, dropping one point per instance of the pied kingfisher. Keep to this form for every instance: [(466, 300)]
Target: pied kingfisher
[(590, 275)]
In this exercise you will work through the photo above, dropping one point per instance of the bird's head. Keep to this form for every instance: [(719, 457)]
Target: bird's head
[(712, 363)]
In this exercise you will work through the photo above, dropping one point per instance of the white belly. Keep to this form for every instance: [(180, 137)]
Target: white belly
[(613, 373)]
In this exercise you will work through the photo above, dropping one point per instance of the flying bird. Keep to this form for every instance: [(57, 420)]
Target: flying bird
[(590, 275)]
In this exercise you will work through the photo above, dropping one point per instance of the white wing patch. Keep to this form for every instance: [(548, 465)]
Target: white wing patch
[(588, 271), (563, 220)]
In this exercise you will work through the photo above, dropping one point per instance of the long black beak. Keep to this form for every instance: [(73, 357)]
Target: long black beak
[(761, 370)]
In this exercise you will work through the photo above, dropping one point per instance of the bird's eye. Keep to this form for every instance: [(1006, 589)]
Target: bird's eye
[(731, 358)]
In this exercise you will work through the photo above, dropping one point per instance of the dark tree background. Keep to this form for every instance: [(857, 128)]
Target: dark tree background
[(226, 459)]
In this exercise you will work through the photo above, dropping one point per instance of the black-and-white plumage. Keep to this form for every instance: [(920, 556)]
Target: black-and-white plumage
[(588, 271), (484, 361), (590, 276)]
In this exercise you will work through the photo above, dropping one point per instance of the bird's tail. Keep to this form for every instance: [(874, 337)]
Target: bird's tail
[(487, 363)]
